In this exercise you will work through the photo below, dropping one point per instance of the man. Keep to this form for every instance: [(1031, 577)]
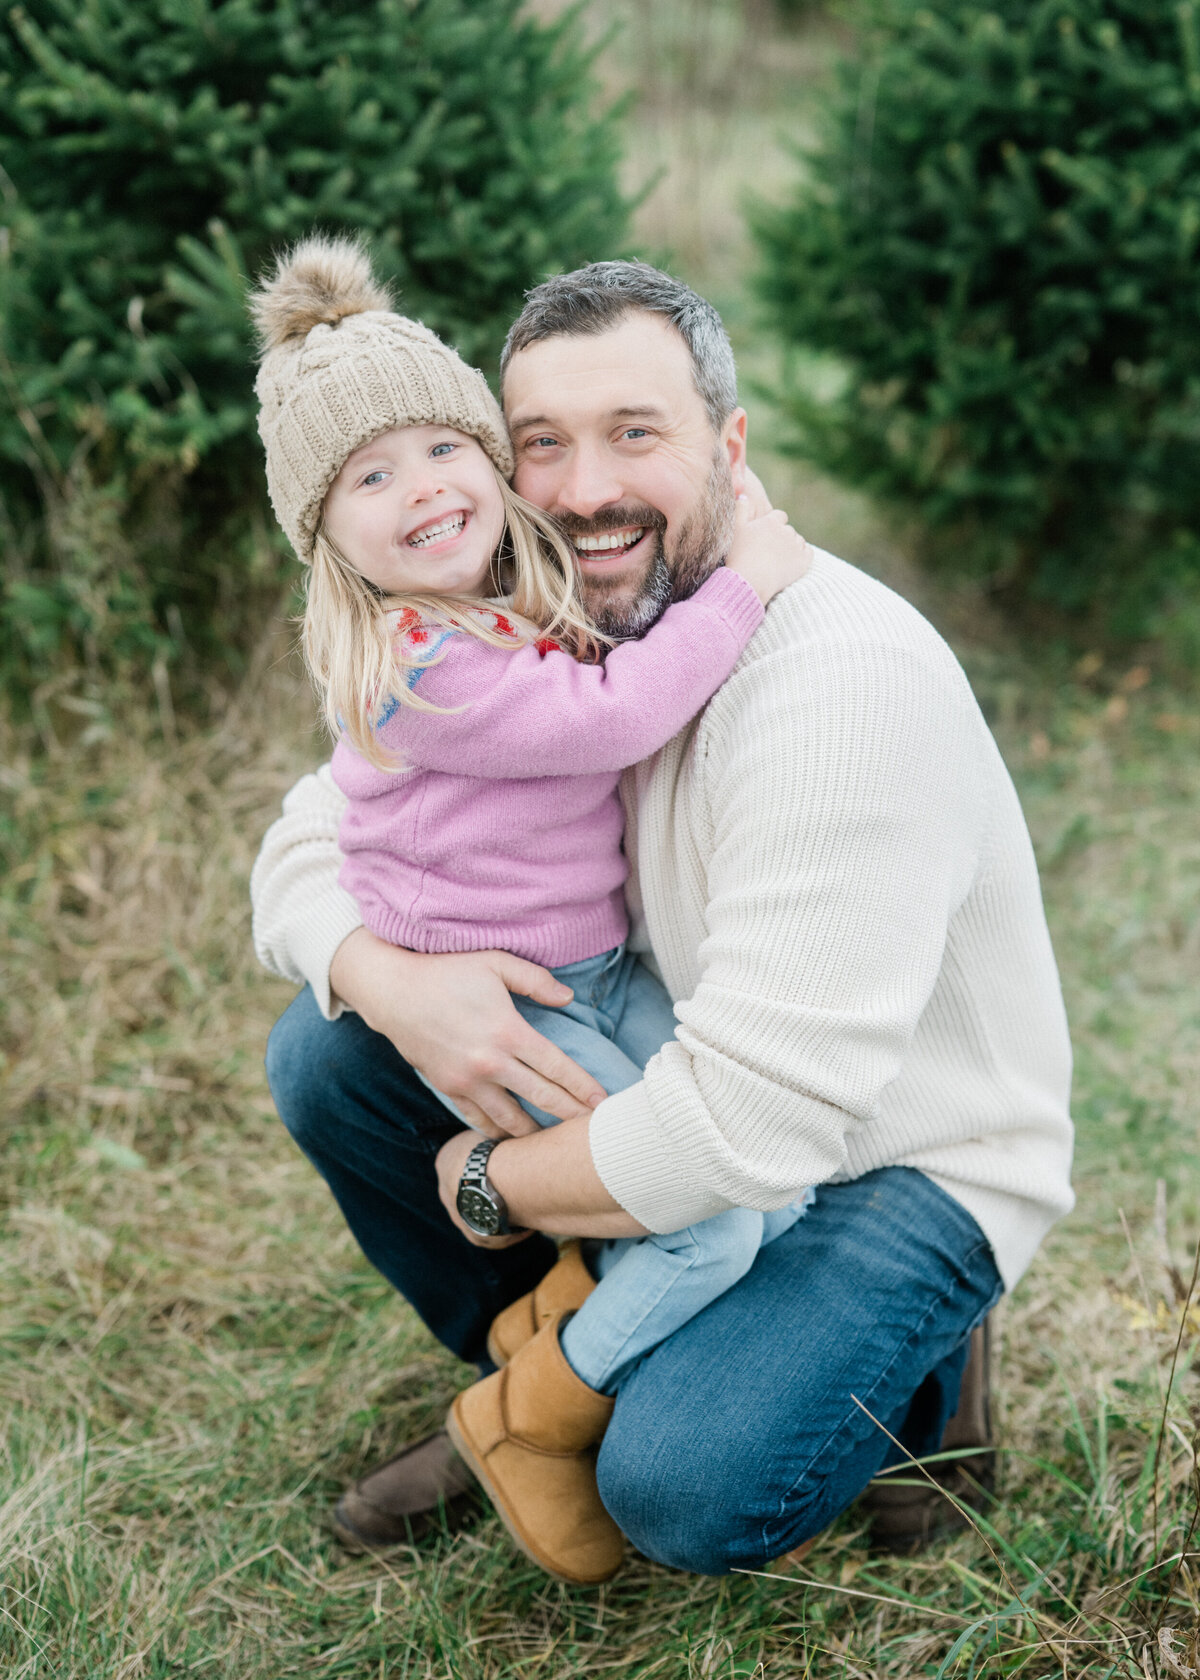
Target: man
[(831, 872)]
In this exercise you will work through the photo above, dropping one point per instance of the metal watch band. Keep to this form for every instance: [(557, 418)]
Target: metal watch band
[(475, 1170), (479, 1202)]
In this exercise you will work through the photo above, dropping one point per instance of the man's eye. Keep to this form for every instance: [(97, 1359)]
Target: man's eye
[(635, 432), (441, 449), (545, 442)]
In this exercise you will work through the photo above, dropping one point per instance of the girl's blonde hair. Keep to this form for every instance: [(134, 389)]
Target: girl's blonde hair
[(352, 650)]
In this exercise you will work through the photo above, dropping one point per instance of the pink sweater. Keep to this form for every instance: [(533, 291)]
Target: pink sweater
[(504, 828)]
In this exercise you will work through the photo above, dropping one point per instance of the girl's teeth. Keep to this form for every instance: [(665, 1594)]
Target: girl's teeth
[(434, 532), (611, 542)]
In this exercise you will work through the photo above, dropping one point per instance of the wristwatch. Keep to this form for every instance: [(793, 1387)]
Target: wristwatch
[(480, 1204)]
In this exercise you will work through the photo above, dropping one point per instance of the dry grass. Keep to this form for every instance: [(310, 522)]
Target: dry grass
[(193, 1356)]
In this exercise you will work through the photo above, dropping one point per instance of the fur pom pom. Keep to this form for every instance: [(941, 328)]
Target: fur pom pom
[(321, 279)]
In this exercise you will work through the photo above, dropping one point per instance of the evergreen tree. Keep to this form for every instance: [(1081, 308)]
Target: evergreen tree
[(155, 155), (996, 240)]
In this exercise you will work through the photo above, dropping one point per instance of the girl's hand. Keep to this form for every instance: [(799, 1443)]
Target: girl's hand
[(766, 551), (756, 491)]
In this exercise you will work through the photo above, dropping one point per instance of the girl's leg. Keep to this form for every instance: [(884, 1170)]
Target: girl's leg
[(775, 1224), (579, 1030), (645, 1018), (602, 1254), (652, 1287)]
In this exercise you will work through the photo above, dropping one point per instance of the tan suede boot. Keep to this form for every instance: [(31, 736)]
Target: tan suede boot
[(529, 1433), (565, 1287)]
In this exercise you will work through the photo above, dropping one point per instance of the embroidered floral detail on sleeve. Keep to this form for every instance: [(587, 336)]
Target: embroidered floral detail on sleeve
[(417, 645)]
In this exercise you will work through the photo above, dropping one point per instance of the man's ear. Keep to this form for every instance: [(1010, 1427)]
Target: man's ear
[(733, 442)]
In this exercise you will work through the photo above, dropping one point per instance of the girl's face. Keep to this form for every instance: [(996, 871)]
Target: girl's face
[(418, 510)]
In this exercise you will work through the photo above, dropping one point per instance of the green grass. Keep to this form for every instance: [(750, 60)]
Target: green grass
[(194, 1357)]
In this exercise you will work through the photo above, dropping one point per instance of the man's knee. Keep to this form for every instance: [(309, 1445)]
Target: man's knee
[(697, 1504), (712, 1512), (302, 1050), (655, 1504)]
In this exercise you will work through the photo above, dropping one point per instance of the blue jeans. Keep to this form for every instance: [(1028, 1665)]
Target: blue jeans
[(739, 1436), (649, 1287)]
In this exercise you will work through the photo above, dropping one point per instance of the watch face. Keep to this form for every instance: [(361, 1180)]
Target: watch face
[(479, 1211)]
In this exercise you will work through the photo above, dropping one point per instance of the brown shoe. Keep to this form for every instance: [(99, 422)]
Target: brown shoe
[(565, 1287), (529, 1432), (798, 1554), (404, 1498), (904, 1518)]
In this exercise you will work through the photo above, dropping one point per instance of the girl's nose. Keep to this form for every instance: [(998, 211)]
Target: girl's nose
[(423, 489)]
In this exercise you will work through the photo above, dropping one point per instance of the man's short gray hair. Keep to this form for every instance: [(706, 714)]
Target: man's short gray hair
[(595, 298)]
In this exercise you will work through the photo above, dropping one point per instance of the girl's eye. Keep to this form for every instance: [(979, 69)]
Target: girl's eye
[(442, 449), (376, 477)]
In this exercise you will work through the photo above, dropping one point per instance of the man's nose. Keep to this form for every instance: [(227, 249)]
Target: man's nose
[(589, 483)]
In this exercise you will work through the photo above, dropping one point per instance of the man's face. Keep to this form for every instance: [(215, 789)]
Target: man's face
[(613, 439)]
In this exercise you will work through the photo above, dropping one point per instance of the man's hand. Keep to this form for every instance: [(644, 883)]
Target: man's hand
[(451, 1159), (452, 1018)]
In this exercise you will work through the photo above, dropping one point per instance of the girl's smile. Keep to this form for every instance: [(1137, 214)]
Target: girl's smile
[(418, 510), (441, 531)]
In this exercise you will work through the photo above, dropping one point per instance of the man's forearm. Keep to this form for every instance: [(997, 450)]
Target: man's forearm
[(550, 1182)]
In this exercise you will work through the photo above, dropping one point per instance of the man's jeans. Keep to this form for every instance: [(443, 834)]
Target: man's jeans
[(742, 1434)]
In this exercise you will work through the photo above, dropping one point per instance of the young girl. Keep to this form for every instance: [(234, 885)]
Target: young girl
[(483, 726)]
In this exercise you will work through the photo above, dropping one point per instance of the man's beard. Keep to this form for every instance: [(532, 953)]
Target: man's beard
[(701, 544)]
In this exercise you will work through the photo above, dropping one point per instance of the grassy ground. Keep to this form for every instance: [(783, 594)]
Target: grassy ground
[(193, 1356)]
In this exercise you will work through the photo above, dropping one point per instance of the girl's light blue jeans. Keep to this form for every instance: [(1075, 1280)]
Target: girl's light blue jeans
[(648, 1287)]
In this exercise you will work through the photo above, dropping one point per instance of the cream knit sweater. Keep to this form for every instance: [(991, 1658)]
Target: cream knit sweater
[(834, 879)]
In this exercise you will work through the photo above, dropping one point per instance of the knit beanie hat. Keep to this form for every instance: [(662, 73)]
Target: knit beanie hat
[(339, 367)]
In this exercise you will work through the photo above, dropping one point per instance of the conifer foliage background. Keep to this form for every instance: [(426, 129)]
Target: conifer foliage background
[(154, 154), (998, 240)]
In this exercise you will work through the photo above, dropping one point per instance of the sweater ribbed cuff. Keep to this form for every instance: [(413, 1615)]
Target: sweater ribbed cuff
[(734, 601), (329, 917), (642, 1170)]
